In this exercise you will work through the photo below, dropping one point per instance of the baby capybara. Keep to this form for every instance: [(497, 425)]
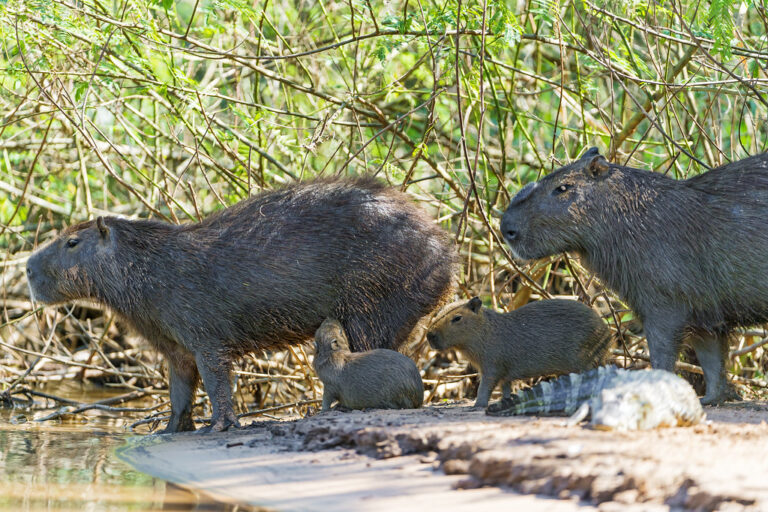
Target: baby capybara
[(688, 256), (261, 274), (547, 337), (374, 379)]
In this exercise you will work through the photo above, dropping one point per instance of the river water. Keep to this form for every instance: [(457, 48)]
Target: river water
[(71, 465)]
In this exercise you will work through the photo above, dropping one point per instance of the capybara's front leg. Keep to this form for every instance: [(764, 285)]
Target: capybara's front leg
[(328, 398), (214, 369), (664, 332), (712, 353), (183, 378), (487, 383)]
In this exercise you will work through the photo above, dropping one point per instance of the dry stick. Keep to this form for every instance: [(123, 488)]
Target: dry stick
[(652, 120), (81, 128), (96, 67), (748, 349), (737, 50), (75, 363), (431, 109), (634, 121), (388, 127), (191, 18), (473, 187), (48, 396), (105, 405), (562, 83), (717, 63), (275, 408), (32, 366), (247, 142), (268, 74), (29, 177)]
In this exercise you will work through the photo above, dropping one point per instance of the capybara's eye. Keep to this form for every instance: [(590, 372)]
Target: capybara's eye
[(561, 189), (73, 242), (455, 319)]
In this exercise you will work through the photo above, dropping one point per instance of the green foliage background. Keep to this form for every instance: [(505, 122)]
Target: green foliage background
[(173, 109)]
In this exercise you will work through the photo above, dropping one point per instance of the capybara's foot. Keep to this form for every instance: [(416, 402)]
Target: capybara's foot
[(500, 408), (221, 424), (176, 424), (725, 394)]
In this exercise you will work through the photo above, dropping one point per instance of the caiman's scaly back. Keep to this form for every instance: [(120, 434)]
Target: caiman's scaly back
[(618, 399)]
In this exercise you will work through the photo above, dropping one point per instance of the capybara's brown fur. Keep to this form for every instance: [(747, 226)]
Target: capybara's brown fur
[(689, 256), (547, 337), (374, 379), (261, 274)]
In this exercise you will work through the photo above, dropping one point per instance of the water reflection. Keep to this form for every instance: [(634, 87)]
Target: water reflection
[(64, 468)]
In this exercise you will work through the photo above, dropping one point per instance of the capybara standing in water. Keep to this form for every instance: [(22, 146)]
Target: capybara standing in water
[(690, 257), (374, 379), (261, 274), (546, 337)]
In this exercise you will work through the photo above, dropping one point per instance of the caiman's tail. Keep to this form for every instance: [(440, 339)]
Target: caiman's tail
[(561, 396)]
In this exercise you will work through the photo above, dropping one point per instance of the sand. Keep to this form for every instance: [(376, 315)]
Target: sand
[(452, 457)]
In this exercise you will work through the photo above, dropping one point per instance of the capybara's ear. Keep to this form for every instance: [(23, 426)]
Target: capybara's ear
[(103, 229), (590, 153), (475, 304), (597, 167)]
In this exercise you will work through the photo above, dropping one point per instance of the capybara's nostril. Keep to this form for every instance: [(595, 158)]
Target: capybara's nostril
[(511, 235)]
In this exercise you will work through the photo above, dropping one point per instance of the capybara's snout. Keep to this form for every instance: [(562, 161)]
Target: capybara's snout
[(434, 340)]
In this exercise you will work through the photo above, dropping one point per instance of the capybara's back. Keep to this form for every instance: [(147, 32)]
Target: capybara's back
[(357, 251), (261, 274)]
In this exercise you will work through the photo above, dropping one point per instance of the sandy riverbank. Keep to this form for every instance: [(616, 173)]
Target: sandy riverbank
[(456, 458)]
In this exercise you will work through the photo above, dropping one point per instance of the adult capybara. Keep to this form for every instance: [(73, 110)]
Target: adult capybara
[(261, 274), (546, 337), (374, 379), (689, 256)]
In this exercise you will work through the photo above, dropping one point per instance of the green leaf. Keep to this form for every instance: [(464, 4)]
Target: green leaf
[(80, 88)]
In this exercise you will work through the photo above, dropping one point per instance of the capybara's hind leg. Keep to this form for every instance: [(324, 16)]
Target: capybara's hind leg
[(183, 378), (214, 369), (506, 389), (365, 332), (712, 353)]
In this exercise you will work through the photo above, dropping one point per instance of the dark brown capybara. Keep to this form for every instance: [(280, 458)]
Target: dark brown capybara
[(261, 274), (689, 256), (546, 337), (374, 379)]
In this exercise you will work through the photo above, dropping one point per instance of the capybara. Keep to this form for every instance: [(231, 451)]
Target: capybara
[(546, 337), (374, 379), (261, 274), (688, 256)]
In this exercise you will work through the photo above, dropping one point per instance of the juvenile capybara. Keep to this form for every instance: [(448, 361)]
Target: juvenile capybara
[(374, 379), (261, 274), (547, 337), (690, 257)]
